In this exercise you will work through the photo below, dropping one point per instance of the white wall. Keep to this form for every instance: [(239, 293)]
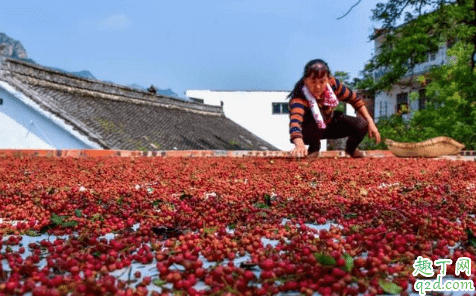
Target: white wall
[(253, 111), (385, 104), (24, 125)]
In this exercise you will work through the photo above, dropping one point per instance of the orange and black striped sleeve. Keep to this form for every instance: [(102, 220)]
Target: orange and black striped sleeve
[(296, 117), (345, 94)]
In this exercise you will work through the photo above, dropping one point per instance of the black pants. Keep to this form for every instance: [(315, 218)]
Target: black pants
[(341, 126)]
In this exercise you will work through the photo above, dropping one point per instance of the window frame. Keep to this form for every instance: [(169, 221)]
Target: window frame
[(283, 108)]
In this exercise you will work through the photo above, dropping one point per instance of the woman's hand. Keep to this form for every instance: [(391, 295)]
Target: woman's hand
[(299, 150), (373, 132), (372, 129)]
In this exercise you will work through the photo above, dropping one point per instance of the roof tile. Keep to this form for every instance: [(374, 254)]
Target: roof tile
[(118, 117)]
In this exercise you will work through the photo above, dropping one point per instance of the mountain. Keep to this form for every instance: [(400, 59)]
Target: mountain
[(137, 86), (12, 48), (166, 92), (84, 73)]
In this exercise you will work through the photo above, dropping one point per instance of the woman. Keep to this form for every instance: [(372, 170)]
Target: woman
[(312, 115)]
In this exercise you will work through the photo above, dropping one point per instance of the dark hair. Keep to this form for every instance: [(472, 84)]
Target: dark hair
[(315, 68)]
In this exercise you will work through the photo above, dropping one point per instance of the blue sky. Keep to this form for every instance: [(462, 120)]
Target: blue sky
[(220, 45)]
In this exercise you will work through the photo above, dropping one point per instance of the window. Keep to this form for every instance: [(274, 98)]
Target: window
[(402, 103), (450, 42), (421, 99), (285, 108), (402, 98), (280, 108)]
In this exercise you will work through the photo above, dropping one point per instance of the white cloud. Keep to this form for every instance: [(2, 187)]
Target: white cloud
[(116, 22)]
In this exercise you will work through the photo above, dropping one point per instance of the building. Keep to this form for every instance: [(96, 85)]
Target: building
[(41, 108), (398, 99), (265, 113)]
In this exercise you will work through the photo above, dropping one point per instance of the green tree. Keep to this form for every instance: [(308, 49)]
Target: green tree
[(450, 88), (342, 76), (452, 109), (427, 24), (365, 82)]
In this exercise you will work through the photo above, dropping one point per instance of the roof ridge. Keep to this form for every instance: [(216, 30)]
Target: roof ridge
[(51, 77), (109, 96)]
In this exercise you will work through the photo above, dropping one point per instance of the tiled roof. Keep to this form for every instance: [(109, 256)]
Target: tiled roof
[(123, 118)]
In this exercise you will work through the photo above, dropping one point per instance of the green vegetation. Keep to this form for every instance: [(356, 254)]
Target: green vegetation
[(109, 126), (450, 109)]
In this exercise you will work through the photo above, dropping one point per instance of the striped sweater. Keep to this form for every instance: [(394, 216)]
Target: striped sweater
[(299, 110)]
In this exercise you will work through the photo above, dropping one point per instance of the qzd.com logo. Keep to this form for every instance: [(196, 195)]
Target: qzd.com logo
[(424, 267)]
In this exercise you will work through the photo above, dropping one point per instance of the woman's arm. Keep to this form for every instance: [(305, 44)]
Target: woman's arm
[(373, 130), (296, 116), (345, 94)]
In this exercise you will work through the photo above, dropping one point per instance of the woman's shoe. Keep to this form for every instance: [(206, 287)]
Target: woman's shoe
[(357, 154), (313, 155)]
